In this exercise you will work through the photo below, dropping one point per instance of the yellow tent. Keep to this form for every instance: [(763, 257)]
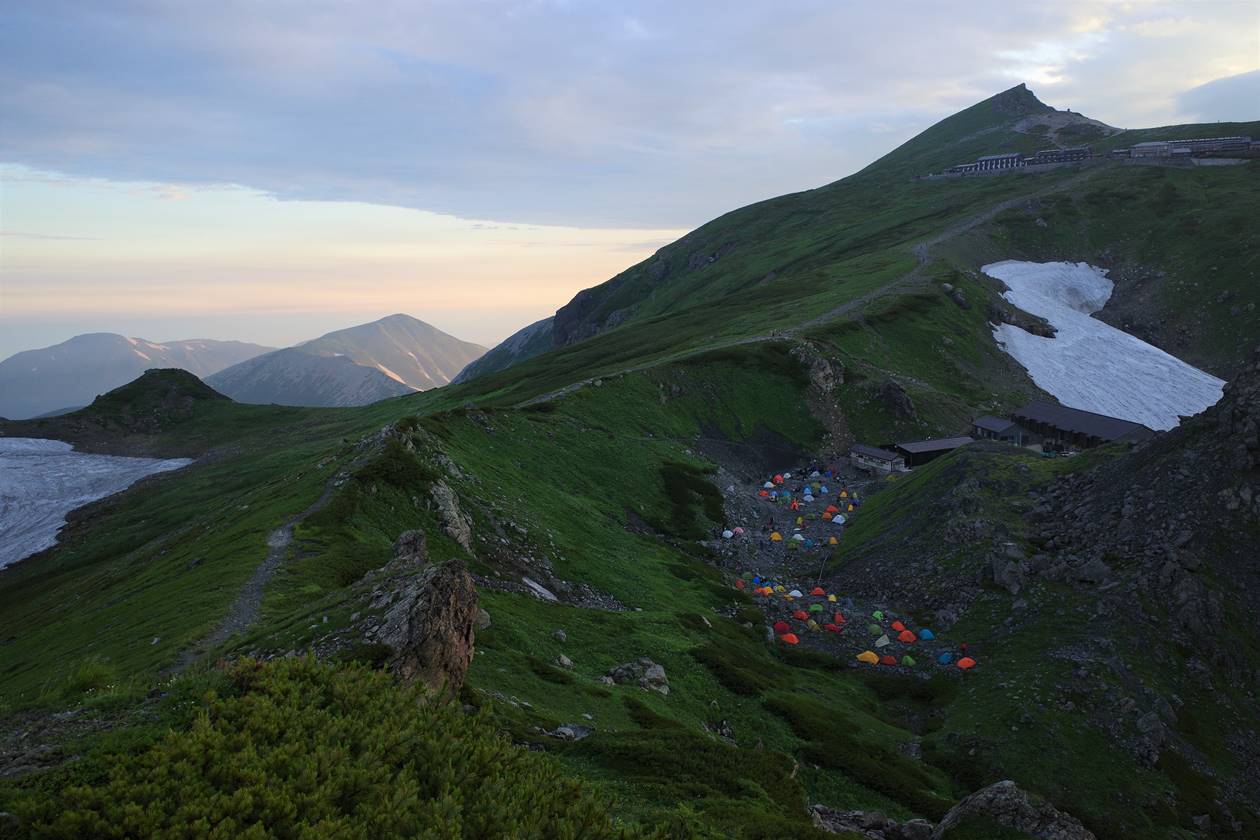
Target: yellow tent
[(833, 541), (813, 625), (868, 657), (831, 598), (850, 508), (844, 494), (800, 520), (776, 537), (780, 588)]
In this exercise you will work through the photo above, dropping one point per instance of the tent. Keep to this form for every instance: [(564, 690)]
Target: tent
[(727, 534), (966, 663), (837, 519), (780, 588), (814, 474), (789, 639), (823, 490), (739, 531), (812, 625), (796, 593), (781, 627), (809, 543), (826, 517), (898, 626), (757, 579), (838, 618), (832, 541), (798, 537), (832, 509), (908, 661), (831, 599), (869, 657), (800, 615), (809, 498), (878, 615), (739, 583), (831, 628), (874, 629), (945, 658), (787, 475), (927, 635), (817, 590), (886, 659), (882, 641), (749, 576), (844, 494), (776, 537), (769, 485), (778, 479), (906, 637), (850, 508), (815, 608)]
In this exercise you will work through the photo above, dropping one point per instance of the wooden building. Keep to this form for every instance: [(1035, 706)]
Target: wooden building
[(919, 452), (875, 459), (1060, 426), (989, 427)]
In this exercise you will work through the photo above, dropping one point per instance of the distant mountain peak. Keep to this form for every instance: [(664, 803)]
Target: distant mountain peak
[(1018, 101)]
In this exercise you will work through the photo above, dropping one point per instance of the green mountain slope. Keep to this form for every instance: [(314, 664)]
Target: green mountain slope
[(600, 473)]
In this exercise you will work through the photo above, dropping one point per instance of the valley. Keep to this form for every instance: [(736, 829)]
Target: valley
[(602, 458)]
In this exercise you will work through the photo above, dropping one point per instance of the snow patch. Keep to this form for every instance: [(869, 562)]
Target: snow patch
[(43, 480), (1091, 365)]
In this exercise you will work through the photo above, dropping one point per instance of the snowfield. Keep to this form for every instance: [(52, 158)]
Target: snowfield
[(1088, 364), (43, 480)]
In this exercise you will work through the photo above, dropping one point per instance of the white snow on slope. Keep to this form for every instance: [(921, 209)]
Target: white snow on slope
[(1089, 364), (43, 480)]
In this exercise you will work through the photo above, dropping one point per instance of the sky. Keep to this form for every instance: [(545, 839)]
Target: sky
[(269, 170)]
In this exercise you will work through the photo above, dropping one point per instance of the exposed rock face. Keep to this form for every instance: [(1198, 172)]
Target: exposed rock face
[(896, 400), (643, 671), (1007, 805), (454, 522), (825, 378), (431, 627), (869, 824)]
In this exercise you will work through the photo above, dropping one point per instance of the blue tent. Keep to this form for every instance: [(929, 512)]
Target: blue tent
[(945, 658), (926, 635)]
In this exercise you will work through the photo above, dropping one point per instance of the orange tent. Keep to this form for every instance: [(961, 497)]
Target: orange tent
[(817, 590), (868, 657), (898, 626), (826, 517), (832, 509), (906, 637), (789, 639), (833, 541), (765, 494), (776, 537), (887, 660), (966, 663)]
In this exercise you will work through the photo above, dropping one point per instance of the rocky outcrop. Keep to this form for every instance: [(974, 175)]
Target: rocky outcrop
[(1005, 804), (430, 624), (643, 672), (456, 524), (894, 398), (872, 825)]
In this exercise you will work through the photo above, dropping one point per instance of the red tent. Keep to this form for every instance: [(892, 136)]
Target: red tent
[(817, 590), (831, 628), (789, 639), (832, 509), (898, 626), (839, 618), (801, 615), (778, 479), (906, 637), (966, 663), (887, 660), (781, 627), (739, 584), (765, 494)]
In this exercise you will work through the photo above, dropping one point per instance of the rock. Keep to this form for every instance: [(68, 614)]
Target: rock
[(1093, 571), (570, 732), (916, 830), (644, 672), (1005, 804), (413, 547), (483, 619), (456, 525), (897, 401), (564, 661), (607, 680), (559, 635), (431, 623)]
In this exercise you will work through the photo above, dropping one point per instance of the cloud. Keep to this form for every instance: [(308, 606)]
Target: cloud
[(559, 112), (1233, 98)]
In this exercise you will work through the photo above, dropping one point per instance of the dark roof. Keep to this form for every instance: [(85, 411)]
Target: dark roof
[(993, 424), (1083, 422), (874, 452), (916, 447)]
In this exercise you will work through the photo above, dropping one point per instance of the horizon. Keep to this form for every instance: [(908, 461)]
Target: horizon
[(504, 166)]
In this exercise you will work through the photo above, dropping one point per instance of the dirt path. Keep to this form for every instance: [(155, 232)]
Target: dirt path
[(247, 607), (922, 253)]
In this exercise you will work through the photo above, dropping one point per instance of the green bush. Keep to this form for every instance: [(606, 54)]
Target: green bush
[(300, 749)]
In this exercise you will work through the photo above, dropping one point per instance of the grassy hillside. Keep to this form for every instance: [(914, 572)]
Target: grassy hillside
[(601, 469)]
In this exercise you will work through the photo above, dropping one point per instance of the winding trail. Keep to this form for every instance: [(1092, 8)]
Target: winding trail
[(914, 277), (247, 607)]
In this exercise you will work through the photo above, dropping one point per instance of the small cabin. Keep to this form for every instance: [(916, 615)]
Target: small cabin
[(989, 427), (919, 452), (875, 459)]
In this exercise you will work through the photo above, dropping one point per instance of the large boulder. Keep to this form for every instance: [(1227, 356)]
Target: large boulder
[(644, 672), (1004, 803), (455, 522), (431, 625)]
